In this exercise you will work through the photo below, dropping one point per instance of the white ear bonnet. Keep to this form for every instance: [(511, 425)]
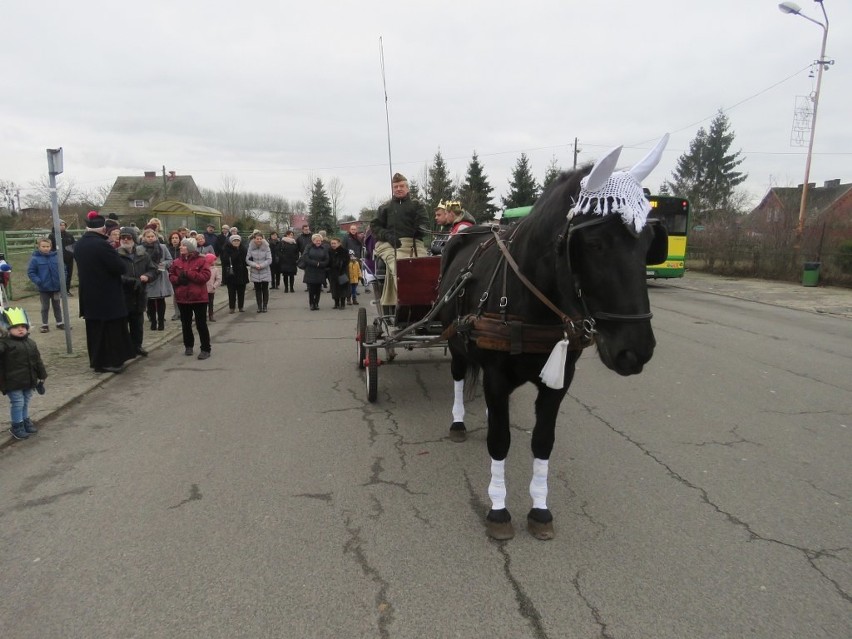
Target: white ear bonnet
[(604, 191)]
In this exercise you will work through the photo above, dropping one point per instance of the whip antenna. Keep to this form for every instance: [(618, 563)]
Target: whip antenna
[(387, 116)]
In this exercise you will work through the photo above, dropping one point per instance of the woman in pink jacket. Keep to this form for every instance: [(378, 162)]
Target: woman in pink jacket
[(189, 274)]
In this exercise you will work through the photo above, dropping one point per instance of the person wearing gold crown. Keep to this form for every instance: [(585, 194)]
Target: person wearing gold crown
[(452, 217), (398, 228), (21, 370)]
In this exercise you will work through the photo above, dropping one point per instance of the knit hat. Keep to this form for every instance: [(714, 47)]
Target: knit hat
[(190, 244), (129, 230), (210, 257), (399, 177), (110, 224), (235, 237), (94, 220)]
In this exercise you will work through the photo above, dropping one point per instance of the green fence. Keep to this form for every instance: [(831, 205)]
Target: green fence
[(18, 247)]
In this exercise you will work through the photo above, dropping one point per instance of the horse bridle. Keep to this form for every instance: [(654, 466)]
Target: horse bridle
[(564, 238)]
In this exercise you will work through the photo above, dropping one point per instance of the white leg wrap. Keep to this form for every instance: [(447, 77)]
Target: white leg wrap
[(538, 485), (497, 487), (458, 401)]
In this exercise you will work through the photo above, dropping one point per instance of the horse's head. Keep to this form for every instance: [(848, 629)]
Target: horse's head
[(609, 243)]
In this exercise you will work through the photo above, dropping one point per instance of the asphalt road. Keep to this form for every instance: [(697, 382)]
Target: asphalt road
[(258, 494)]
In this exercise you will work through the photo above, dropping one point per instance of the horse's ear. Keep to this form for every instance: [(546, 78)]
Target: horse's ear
[(647, 164), (658, 251), (602, 170)]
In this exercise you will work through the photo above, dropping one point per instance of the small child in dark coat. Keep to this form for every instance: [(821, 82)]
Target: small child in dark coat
[(21, 370), (338, 272)]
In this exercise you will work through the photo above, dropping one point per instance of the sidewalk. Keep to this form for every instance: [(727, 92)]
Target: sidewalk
[(829, 300), (70, 377)]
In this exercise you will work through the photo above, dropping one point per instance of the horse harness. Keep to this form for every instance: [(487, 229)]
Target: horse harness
[(509, 333)]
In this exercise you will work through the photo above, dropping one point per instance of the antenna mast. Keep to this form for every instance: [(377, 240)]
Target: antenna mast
[(387, 115)]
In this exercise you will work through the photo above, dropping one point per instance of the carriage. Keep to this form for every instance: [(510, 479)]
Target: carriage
[(411, 324)]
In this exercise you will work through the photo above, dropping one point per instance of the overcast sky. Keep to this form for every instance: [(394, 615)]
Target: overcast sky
[(272, 92)]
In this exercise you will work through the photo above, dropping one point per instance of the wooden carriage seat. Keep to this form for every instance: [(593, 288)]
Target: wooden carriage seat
[(417, 280)]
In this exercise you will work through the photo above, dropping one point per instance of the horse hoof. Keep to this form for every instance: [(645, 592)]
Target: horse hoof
[(499, 524), (500, 530), (458, 433), (540, 527)]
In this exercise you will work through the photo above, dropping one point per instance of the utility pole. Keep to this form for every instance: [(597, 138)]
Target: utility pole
[(576, 153), (165, 183)]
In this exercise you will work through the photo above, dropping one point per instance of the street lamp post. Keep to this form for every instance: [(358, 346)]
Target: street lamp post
[(55, 166), (794, 9)]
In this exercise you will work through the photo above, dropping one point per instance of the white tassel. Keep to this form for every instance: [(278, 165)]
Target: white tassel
[(553, 373)]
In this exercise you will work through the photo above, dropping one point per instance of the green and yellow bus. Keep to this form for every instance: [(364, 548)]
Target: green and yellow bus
[(673, 214)]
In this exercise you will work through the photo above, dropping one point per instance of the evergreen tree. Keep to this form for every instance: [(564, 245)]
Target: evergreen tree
[(475, 192), (706, 174), (320, 215), (414, 190), (523, 189), (439, 186), (552, 172)]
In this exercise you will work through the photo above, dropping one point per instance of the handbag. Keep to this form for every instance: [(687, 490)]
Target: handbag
[(342, 279)]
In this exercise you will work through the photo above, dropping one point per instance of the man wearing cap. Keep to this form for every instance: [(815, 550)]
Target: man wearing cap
[(398, 229), (235, 272), (138, 271), (100, 270), (221, 240), (67, 240), (210, 236)]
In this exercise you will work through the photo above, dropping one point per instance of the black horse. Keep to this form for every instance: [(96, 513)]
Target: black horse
[(550, 285)]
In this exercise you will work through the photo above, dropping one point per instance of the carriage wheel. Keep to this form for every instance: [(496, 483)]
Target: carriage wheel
[(360, 336), (372, 376)]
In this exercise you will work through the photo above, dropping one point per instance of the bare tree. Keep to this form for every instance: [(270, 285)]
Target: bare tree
[(95, 198), (231, 197), (335, 194), (39, 195)]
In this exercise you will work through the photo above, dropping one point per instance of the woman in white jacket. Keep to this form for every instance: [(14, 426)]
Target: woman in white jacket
[(259, 260)]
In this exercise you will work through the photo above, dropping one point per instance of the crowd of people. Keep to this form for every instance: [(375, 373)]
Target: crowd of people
[(126, 276)]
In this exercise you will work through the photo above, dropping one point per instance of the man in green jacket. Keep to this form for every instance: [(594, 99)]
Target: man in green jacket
[(398, 227)]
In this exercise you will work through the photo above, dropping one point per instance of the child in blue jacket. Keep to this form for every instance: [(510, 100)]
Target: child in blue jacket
[(44, 273)]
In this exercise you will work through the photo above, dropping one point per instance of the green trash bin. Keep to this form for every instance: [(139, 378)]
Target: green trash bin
[(810, 274)]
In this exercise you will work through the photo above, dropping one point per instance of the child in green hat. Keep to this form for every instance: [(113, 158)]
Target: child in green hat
[(21, 370)]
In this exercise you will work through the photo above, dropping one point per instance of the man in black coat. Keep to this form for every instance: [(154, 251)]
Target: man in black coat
[(398, 226), (99, 269), (303, 241), (351, 242), (138, 271)]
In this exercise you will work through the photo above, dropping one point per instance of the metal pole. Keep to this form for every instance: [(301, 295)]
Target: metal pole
[(54, 167), (387, 115), (821, 62)]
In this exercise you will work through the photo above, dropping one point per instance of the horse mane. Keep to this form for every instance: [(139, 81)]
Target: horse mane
[(558, 197)]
